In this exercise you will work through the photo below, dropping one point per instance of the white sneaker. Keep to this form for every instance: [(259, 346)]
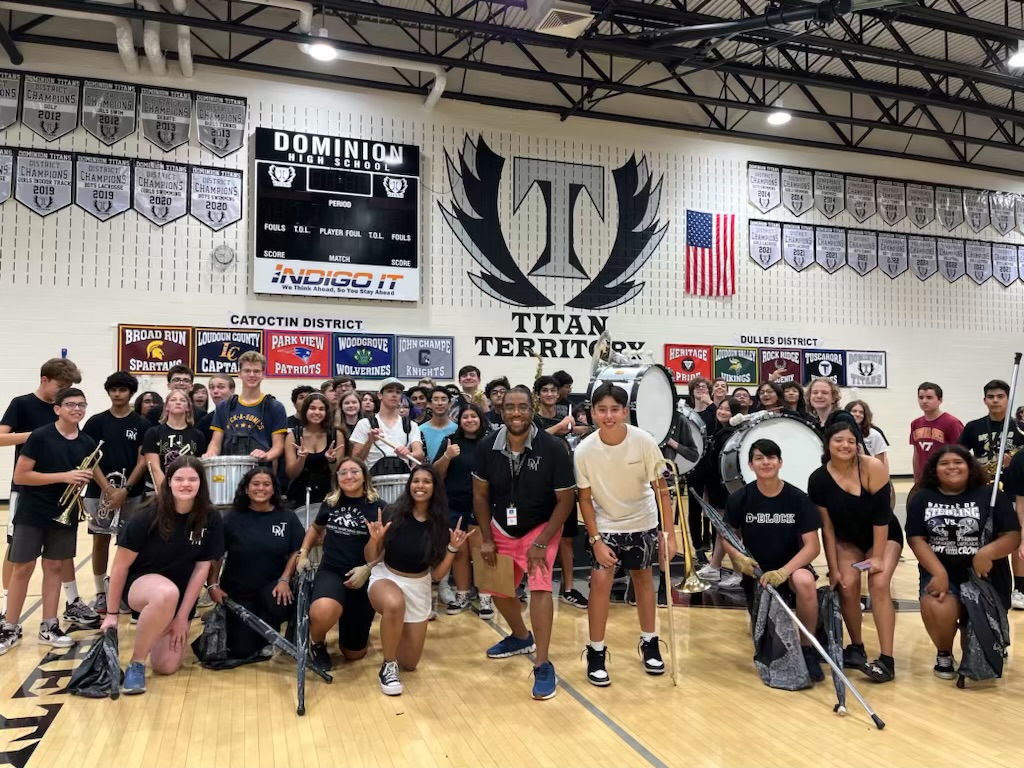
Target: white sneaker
[(390, 683), (730, 580), (445, 592), (1017, 600), (433, 607), (54, 636), (709, 574), (486, 610)]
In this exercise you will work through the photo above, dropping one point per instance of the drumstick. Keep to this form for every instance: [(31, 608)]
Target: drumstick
[(415, 462)]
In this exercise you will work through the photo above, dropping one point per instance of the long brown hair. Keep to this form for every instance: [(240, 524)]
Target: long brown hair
[(202, 509), (336, 494), (865, 426)]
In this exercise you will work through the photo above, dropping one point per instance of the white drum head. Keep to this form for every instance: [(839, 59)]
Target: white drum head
[(655, 403), (800, 444)]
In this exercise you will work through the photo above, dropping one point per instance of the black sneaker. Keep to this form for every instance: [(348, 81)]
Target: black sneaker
[(78, 614), (651, 654), (319, 653), (813, 662), (390, 682), (575, 598), (597, 674), (945, 666), (17, 627), (662, 592), (9, 637), (854, 657)]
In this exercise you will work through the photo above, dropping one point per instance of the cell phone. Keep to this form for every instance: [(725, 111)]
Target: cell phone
[(863, 565)]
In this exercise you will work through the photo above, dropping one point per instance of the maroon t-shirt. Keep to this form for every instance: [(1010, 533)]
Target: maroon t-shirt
[(926, 436)]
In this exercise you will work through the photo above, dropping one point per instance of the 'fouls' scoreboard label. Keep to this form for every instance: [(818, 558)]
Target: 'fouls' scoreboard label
[(335, 217)]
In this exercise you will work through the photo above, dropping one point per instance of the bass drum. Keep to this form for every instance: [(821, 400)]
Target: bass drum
[(652, 396), (692, 436), (801, 450)]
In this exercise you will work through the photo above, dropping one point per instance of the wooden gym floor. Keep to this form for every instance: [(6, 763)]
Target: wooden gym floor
[(462, 709)]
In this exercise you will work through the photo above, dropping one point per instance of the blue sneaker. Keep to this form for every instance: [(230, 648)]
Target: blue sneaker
[(545, 683), (134, 679), (512, 646)]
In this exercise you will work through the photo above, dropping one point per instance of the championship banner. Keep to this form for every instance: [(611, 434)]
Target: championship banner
[(292, 355), (688, 361), (425, 357), (108, 110), (160, 190), (363, 356), (764, 187), (949, 207), (215, 196), (976, 206), (166, 116), (797, 191), (892, 254), (1019, 207), (924, 261), (866, 369), (784, 364), (1005, 268), (6, 173), (921, 204), (220, 122), (49, 105), (1001, 211), (825, 364), (765, 242), (860, 197), (216, 350), (143, 349), (103, 185), (830, 248), (798, 246), (892, 201), (951, 258), (737, 365), (979, 260), (10, 97), (1020, 261), (861, 251), (43, 180), (829, 193)]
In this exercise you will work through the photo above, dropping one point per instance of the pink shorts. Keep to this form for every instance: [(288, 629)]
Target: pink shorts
[(517, 549)]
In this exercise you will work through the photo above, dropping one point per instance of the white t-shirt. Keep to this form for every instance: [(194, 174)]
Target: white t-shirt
[(874, 443), (394, 434), (619, 478)]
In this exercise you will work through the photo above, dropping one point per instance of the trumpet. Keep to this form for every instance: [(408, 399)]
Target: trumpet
[(71, 500)]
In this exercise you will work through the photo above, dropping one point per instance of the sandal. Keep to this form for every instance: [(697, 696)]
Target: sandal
[(877, 672)]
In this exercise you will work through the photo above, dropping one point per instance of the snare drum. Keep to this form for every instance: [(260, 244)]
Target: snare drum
[(223, 475), (691, 426), (801, 450), (390, 487), (652, 396)]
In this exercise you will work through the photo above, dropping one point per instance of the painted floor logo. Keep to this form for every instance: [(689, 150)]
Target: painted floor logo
[(474, 219)]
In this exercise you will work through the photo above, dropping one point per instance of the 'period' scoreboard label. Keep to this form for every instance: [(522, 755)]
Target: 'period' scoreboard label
[(335, 217)]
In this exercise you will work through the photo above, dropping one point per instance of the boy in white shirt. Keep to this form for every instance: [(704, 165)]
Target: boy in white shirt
[(389, 424), (617, 475)]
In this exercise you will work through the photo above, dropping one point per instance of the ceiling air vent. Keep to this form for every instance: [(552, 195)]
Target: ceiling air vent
[(560, 19)]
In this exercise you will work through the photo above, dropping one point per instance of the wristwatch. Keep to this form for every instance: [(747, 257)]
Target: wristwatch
[(594, 539)]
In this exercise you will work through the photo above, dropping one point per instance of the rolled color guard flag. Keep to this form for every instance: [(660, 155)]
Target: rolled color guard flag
[(710, 253)]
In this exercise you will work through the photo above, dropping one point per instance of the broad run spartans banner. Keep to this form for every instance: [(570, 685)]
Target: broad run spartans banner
[(215, 196), (43, 180), (166, 117), (49, 105), (160, 191), (103, 185), (108, 110), (220, 121)]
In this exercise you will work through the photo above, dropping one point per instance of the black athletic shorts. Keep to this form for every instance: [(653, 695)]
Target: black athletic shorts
[(356, 611)]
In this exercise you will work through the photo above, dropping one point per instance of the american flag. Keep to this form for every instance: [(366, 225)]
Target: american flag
[(710, 253)]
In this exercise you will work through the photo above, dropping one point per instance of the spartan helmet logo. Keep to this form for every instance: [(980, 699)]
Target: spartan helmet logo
[(689, 364), (43, 202), (865, 368), (281, 175), (825, 368), (102, 206)]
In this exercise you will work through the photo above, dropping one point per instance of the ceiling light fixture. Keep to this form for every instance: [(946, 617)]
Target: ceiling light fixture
[(779, 117), (322, 50), (1016, 59)]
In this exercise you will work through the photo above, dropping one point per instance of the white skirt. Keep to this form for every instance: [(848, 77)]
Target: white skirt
[(416, 590)]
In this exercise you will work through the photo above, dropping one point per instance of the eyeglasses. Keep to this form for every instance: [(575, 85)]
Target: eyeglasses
[(350, 472), (181, 380), (76, 406), (516, 407), (499, 391)]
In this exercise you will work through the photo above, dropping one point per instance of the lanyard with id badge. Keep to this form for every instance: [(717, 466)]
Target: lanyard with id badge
[(514, 468)]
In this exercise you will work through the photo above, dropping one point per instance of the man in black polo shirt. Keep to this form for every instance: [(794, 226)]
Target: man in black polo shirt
[(523, 490)]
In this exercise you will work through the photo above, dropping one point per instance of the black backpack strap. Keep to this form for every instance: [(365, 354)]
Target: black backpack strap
[(407, 426)]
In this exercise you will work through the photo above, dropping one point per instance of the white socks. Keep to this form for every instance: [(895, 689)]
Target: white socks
[(101, 582), (71, 590), (597, 646), (648, 636)]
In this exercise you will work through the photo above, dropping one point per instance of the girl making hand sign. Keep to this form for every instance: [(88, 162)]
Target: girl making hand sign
[(414, 546)]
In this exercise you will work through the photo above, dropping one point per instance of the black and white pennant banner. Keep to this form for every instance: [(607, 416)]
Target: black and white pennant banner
[(215, 196), (764, 186), (797, 191), (160, 191), (43, 180), (49, 105), (103, 185), (892, 254), (976, 206), (951, 259), (892, 201), (109, 110), (979, 260), (166, 117), (921, 204), (1001, 211), (220, 122), (860, 197), (765, 243), (798, 246), (861, 251), (1005, 268), (10, 97), (829, 193), (830, 248), (924, 261), (6, 173)]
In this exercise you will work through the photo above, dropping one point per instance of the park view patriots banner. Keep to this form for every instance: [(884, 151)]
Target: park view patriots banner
[(951, 259), (49, 105), (1004, 263), (829, 193), (10, 96), (220, 122), (166, 117), (797, 191), (108, 110), (923, 257), (949, 207), (103, 185), (1001, 211), (6, 173), (921, 204), (161, 191), (43, 180), (892, 201), (764, 186), (215, 196), (765, 242)]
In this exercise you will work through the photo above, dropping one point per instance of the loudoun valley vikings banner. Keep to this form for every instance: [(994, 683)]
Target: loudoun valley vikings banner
[(737, 365), (292, 355), (363, 356), (216, 350), (688, 361)]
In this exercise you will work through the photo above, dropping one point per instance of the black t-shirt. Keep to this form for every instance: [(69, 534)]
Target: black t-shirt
[(27, 413), (346, 533), (494, 421), (772, 527), (1013, 476), (122, 439), (459, 480), (542, 469), (205, 427), (982, 437), (175, 557), (954, 528), (39, 505), (406, 548), (168, 443), (258, 545), (853, 517)]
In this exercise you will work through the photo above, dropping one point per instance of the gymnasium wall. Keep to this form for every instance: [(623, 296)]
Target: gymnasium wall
[(67, 280)]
